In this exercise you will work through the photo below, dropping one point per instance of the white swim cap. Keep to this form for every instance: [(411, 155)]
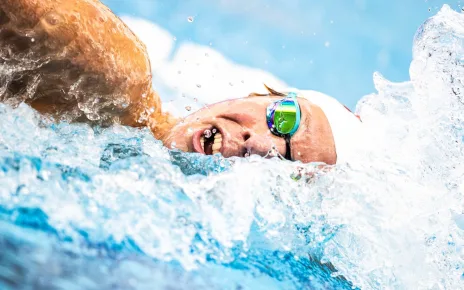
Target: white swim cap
[(346, 126)]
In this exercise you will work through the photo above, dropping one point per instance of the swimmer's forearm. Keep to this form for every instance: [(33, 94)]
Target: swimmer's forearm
[(92, 67)]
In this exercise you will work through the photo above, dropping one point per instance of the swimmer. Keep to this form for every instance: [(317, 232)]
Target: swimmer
[(75, 60)]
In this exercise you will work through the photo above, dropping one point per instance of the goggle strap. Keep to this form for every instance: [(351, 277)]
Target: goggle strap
[(288, 151), (293, 95)]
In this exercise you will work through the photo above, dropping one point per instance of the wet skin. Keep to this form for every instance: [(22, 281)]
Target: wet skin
[(81, 63), (242, 124)]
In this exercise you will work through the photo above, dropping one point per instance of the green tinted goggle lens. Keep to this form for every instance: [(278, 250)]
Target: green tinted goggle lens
[(283, 116)]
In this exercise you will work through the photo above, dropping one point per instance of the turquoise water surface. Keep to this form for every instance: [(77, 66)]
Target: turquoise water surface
[(111, 208)]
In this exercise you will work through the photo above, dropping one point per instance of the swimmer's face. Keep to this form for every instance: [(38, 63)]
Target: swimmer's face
[(238, 128)]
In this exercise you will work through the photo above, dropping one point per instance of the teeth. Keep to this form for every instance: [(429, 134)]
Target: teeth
[(217, 143)]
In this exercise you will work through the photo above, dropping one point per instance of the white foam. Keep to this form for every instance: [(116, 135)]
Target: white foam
[(390, 219), (196, 75)]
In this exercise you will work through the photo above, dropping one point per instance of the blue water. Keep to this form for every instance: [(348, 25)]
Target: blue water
[(111, 208)]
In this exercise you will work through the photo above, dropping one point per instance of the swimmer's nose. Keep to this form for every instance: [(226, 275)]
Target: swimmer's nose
[(263, 146)]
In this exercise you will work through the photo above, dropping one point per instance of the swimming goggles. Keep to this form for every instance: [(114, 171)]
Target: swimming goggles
[(283, 119)]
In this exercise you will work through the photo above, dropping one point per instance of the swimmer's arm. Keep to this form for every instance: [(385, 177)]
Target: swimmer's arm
[(78, 61)]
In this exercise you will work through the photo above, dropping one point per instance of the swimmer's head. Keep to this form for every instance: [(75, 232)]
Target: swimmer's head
[(239, 127)]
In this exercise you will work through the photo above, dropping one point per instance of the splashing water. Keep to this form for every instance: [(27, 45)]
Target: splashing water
[(98, 208)]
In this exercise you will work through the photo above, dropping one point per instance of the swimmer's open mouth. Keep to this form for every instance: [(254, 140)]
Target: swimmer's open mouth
[(208, 142)]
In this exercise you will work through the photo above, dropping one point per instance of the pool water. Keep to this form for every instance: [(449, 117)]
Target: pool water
[(111, 208)]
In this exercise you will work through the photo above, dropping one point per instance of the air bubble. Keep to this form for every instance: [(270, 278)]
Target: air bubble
[(208, 133), (190, 19)]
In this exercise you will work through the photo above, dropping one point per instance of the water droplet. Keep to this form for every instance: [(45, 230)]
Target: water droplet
[(179, 72), (231, 84), (182, 220), (327, 44), (195, 100), (299, 153), (32, 39), (243, 81), (210, 44), (214, 131), (183, 95), (174, 38), (190, 19), (173, 145), (331, 21), (283, 46), (188, 108), (189, 130), (208, 133), (198, 86), (206, 54)]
